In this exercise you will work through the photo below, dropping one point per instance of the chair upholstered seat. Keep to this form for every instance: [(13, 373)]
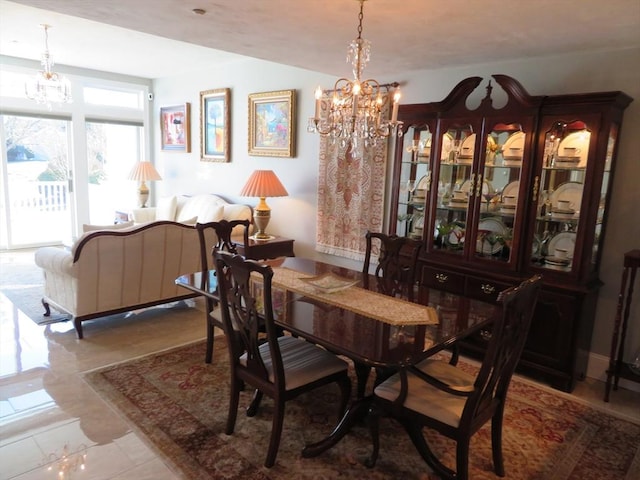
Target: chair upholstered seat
[(303, 362), (427, 399)]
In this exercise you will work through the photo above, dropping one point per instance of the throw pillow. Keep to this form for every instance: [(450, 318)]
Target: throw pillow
[(166, 209), (116, 226)]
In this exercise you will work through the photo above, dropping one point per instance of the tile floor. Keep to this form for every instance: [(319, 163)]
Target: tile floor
[(45, 406)]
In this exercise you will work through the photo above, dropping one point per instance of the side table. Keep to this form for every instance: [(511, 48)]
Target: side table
[(617, 367), (265, 249)]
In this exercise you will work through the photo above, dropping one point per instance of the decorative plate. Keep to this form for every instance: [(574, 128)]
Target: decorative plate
[(489, 225), (447, 145), (468, 147), (565, 241), (513, 147), (575, 144), (570, 191), (329, 283), (422, 183), (511, 190)]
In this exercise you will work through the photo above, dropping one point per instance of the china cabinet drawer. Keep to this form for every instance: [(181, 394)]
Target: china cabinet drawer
[(443, 280), (483, 289)]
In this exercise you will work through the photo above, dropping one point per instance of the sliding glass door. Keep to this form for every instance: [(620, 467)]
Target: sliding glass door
[(38, 205)]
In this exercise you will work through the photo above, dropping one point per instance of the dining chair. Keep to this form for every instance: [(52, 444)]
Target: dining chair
[(395, 272), (219, 235), (440, 396), (394, 275), (280, 366)]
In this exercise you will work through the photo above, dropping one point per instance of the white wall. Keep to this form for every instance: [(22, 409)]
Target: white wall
[(294, 216)]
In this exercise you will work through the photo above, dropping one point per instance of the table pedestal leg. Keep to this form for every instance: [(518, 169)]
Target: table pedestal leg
[(354, 413)]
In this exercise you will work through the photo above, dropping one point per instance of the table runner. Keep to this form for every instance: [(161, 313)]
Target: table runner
[(384, 308)]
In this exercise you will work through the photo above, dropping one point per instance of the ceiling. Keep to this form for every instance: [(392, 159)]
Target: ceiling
[(159, 38)]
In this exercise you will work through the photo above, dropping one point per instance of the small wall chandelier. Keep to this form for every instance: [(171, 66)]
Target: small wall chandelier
[(355, 112), (47, 87)]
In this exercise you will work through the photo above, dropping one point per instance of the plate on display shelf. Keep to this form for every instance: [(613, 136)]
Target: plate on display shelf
[(490, 225), (329, 283), (563, 214), (509, 209), (564, 241), (511, 190), (447, 145), (575, 144), (467, 149), (557, 261), (513, 148), (423, 183), (567, 162), (487, 187), (570, 192)]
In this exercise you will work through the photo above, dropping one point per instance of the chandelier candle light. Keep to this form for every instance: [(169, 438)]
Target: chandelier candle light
[(355, 112), (262, 184), (143, 172), (46, 86)]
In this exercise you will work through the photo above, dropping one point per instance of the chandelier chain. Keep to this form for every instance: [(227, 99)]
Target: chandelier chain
[(354, 111)]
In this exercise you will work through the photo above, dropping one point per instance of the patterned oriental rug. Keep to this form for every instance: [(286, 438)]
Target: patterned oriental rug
[(179, 404)]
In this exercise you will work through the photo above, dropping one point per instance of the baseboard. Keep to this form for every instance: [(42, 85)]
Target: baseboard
[(597, 369)]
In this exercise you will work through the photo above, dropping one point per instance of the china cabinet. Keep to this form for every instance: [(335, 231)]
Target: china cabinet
[(508, 187)]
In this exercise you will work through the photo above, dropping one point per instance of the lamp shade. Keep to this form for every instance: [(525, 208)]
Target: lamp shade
[(143, 171), (263, 183)]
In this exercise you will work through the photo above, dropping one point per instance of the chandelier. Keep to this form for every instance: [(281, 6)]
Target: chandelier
[(46, 86), (357, 107)]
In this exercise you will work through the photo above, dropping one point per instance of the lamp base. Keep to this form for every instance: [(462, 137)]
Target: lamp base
[(261, 238), (261, 217)]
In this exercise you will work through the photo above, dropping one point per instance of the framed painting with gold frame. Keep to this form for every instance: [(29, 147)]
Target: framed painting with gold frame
[(175, 128), (272, 123), (215, 125)]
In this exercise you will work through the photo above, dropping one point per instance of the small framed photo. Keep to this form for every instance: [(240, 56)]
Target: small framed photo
[(215, 125), (272, 123), (176, 128)]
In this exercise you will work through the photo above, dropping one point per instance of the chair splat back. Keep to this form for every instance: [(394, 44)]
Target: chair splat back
[(221, 231), (508, 337), (397, 259), (248, 314), (443, 397), (280, 366)]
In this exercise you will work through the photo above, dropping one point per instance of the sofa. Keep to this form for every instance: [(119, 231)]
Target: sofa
[(116, 269)]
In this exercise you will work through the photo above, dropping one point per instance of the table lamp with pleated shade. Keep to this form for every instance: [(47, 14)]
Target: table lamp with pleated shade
[(262, 184), (143, 172)]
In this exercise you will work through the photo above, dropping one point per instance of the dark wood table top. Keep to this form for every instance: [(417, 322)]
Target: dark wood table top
[(366, 340)]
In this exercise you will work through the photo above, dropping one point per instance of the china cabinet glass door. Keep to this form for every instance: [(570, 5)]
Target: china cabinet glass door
[(559, 209), (414, 181)]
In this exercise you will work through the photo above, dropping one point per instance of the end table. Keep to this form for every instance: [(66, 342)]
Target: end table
[(617, 367), (265, 249)]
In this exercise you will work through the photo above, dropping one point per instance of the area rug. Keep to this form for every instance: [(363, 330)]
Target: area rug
[(179, 404), (22, 283)]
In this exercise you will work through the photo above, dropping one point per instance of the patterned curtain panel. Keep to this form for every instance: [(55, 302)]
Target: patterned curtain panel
[(350, 197)]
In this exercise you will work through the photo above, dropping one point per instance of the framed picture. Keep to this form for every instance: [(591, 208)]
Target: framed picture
[(176, 128), (272, 123), (215, 125)]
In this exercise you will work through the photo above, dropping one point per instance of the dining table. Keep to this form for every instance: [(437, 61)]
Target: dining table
[(336, 308)]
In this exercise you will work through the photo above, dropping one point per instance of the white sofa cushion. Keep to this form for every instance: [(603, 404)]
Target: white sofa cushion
[(200, 206), (116, 226), (166, 209)]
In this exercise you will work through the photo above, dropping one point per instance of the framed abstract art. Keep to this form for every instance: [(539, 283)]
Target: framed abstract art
[(175, 128), (215, 125), (272, 123)]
